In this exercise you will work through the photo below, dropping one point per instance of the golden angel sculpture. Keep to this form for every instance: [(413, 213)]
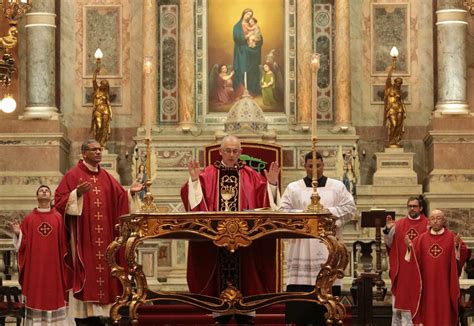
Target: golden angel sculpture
[(102, 110), (395, 111)]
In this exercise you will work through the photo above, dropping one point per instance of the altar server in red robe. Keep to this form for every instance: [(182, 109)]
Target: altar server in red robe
[(92, 201), (247, 189), (439, 255), (401, 272), (44, 276)]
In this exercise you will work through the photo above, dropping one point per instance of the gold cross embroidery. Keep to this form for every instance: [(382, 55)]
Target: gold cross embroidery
[(99, 255), (100, 268), (96, 190), (99, 242), (97, 202), (94, 179), (99, 229), (100, 281), (98, 216)]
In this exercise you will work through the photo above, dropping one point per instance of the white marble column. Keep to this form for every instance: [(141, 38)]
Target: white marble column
[(150, 84), (40, 68), (342, 66), (304, 52), (452, 28)]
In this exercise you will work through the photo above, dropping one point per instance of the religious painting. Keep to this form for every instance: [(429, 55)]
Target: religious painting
[(378, 93), (245, 53), (103, 29), (390, 27)]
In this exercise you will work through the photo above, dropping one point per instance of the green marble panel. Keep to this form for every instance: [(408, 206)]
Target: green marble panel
[(103, 29)]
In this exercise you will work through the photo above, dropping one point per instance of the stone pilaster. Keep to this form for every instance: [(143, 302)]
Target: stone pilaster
[(150, 85), (304, 52), (186, 64), (40, 68), (342, 66)]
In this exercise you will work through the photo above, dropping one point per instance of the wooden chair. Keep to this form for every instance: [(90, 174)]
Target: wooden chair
[(258, 156), (10, 304)]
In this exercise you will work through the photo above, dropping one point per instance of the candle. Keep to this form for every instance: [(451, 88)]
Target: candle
[(147, 94), (245, 80), (315, 64), (98, 54), (394, 52)]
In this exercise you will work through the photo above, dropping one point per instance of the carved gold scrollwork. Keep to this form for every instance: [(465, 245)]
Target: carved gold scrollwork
[(231, 295), (231, 231)]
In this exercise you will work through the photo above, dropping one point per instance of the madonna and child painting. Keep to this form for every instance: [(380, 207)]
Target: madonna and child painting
[(246, 53)]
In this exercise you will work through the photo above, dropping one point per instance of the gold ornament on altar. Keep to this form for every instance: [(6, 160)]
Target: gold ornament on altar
[(394, 109), (102, 109), (315, 204)]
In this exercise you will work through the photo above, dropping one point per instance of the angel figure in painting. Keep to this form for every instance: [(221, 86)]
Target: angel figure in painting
[(278, 91), (268, 85), (221, 84), (102, 109)]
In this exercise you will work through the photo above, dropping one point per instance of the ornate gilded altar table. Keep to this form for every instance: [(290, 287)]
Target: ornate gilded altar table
[(230, 230)]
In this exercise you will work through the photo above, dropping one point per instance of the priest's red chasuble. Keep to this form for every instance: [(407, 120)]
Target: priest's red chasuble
[(44, 277), (439, 271), (402, 273), (93, 231), (258, 263)]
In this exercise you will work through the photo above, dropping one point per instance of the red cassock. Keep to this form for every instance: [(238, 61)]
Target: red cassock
[(93, 231), (439, 271), (258, 262), (44, 277), (402, 272)]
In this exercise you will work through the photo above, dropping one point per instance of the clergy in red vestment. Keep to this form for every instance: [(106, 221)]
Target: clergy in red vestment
[(246, 189), (44, 276), (92, 201), (439, 256), (401, 272)]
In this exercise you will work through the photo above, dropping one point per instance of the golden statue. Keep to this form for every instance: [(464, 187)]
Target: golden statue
[(395, 112), (102, 110)]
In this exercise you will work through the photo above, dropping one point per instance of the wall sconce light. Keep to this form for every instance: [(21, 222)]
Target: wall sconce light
[(13, 10)]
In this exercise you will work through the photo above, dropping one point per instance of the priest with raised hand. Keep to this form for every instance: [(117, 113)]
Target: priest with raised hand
[(229, 185), (439, 255), (91, 201), (45, 279)]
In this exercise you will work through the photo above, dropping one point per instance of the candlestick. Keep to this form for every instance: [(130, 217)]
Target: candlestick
[(315, 64), (314, 205), (245, 80)]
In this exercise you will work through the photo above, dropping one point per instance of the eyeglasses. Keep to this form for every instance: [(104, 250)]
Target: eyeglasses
[(413, 206), (231, 150)]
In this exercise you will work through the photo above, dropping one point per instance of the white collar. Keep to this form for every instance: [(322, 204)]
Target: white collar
[(43, 210), (437, 233), (90, 167)]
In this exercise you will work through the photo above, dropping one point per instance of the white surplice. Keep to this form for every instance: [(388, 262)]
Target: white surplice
[(305, 256)]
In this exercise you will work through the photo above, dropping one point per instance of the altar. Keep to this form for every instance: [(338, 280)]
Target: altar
[(230, 230)]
